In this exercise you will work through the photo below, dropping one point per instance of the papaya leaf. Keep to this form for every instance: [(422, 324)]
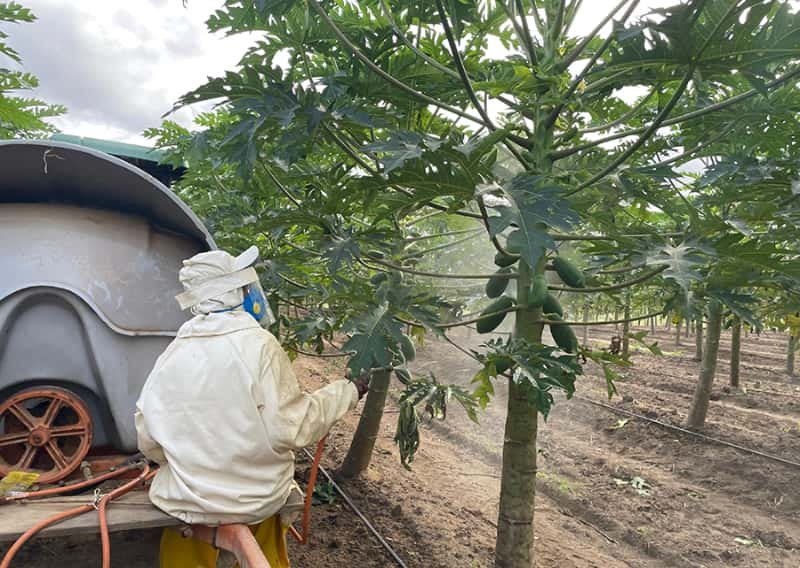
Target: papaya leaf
[(340, 251), (540, 369), (538, 205), (499, 223), (485, 388), (741, 305), (376, 332), (476, 148), (682, 261), (639, 337), (396, 150)]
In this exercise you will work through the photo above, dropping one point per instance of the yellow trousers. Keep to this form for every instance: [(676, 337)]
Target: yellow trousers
[(182, 552)]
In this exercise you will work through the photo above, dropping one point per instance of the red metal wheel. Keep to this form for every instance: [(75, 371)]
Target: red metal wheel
[(45, 430)]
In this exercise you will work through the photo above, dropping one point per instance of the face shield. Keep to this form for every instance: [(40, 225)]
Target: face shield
[(255, 304), (216, 282)]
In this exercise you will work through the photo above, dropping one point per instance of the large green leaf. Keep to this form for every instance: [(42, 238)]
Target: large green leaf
[(537, 205), (683, 263)]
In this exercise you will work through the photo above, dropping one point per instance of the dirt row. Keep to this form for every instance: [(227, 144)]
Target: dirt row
[(440, 514), (768, 346), (611, 492), (768, 360), (589, 467)]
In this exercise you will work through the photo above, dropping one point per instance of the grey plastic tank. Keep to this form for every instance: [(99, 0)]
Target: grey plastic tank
[(90, 248)]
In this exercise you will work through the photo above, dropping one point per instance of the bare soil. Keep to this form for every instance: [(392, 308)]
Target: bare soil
[(700, 505), (611, 493)]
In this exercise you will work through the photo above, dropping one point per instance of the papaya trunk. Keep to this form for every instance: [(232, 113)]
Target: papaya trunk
[(702, 394), (736, 344), (360, 452), (586, 327), (790, 349), (626, 326), (514, 546), (677, 335), (698, 339)]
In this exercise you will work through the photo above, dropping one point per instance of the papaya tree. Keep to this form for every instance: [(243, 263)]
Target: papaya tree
[(745, 199), (20, 116), (391, 114), (736, 350), (750, 252), (782, 312)]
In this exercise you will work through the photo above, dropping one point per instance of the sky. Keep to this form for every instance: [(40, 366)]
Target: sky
[(118, 66)]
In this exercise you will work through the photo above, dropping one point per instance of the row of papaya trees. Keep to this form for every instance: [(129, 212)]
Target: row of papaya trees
[(411, 167)]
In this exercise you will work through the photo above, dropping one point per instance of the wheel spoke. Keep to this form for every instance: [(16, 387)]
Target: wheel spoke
[(52, 411), (12, 439), (58, 456), (32, 429), (27, 457), (22, 414), (71, 430)]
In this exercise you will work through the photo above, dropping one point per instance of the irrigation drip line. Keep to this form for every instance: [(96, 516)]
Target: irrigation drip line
[(746, 389), (689, 432), (789, 394), (372, 529)]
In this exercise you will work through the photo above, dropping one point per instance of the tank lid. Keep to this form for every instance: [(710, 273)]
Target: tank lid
[(36, 171)]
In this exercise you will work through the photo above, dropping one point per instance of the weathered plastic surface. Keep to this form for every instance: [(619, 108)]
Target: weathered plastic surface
[(122, 266), (90, 249)]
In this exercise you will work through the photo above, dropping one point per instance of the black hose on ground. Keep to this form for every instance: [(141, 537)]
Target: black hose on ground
[(372, 529)]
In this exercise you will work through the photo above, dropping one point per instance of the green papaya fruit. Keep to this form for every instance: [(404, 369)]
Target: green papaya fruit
[(491, 322), (379, 278), (497, 284), (402, 375), (551, 305), (538, 292), (504, 260), (564, 336), (502, 365), (407, 348), (570, 274)]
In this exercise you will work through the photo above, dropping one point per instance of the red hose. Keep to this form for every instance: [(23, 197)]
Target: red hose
[(105, 539), (27, 535), (38, 527), (312, 480), (72, 487)]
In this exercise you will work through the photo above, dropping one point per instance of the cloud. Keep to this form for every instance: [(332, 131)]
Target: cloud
[(117, 68)]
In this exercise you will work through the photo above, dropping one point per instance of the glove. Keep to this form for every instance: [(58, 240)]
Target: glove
[(362, 386), (361, 383)]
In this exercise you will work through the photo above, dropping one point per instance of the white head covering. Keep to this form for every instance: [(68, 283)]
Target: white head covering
[(213, 280)]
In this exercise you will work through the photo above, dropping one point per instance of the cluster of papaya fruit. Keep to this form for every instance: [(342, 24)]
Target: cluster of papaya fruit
[(538, 296)]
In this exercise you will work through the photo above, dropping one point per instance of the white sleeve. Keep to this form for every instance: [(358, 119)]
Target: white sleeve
[(147, 445), (295, 419)]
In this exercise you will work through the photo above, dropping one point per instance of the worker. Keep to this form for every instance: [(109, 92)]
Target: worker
[(222, 413)]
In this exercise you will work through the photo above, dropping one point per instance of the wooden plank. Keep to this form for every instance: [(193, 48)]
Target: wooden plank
[(131, 511)]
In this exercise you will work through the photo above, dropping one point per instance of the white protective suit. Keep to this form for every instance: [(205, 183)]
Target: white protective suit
[(222, 412)]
